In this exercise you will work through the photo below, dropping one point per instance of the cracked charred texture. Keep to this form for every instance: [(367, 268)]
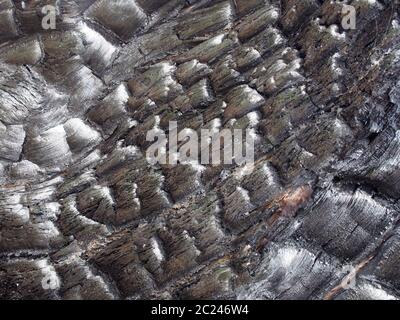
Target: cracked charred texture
[(79, 203)]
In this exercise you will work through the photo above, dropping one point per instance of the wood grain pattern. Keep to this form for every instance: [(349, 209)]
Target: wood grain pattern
[(83, 215)]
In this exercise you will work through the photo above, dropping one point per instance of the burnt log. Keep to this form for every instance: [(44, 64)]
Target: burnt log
[(85, 215)]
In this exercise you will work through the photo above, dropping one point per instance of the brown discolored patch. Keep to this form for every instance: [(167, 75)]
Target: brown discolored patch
[(287, 205), (352, 275), (290, 202)]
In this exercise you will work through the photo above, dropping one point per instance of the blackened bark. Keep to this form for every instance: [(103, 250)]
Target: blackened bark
[(83, 215)]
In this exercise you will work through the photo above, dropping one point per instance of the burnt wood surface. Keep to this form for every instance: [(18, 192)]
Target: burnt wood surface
[(81, 206)]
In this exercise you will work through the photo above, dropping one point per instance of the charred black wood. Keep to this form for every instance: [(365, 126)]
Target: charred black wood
[(84, 215)]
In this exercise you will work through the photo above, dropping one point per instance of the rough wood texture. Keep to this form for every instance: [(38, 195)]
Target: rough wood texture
[(83, 215)]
